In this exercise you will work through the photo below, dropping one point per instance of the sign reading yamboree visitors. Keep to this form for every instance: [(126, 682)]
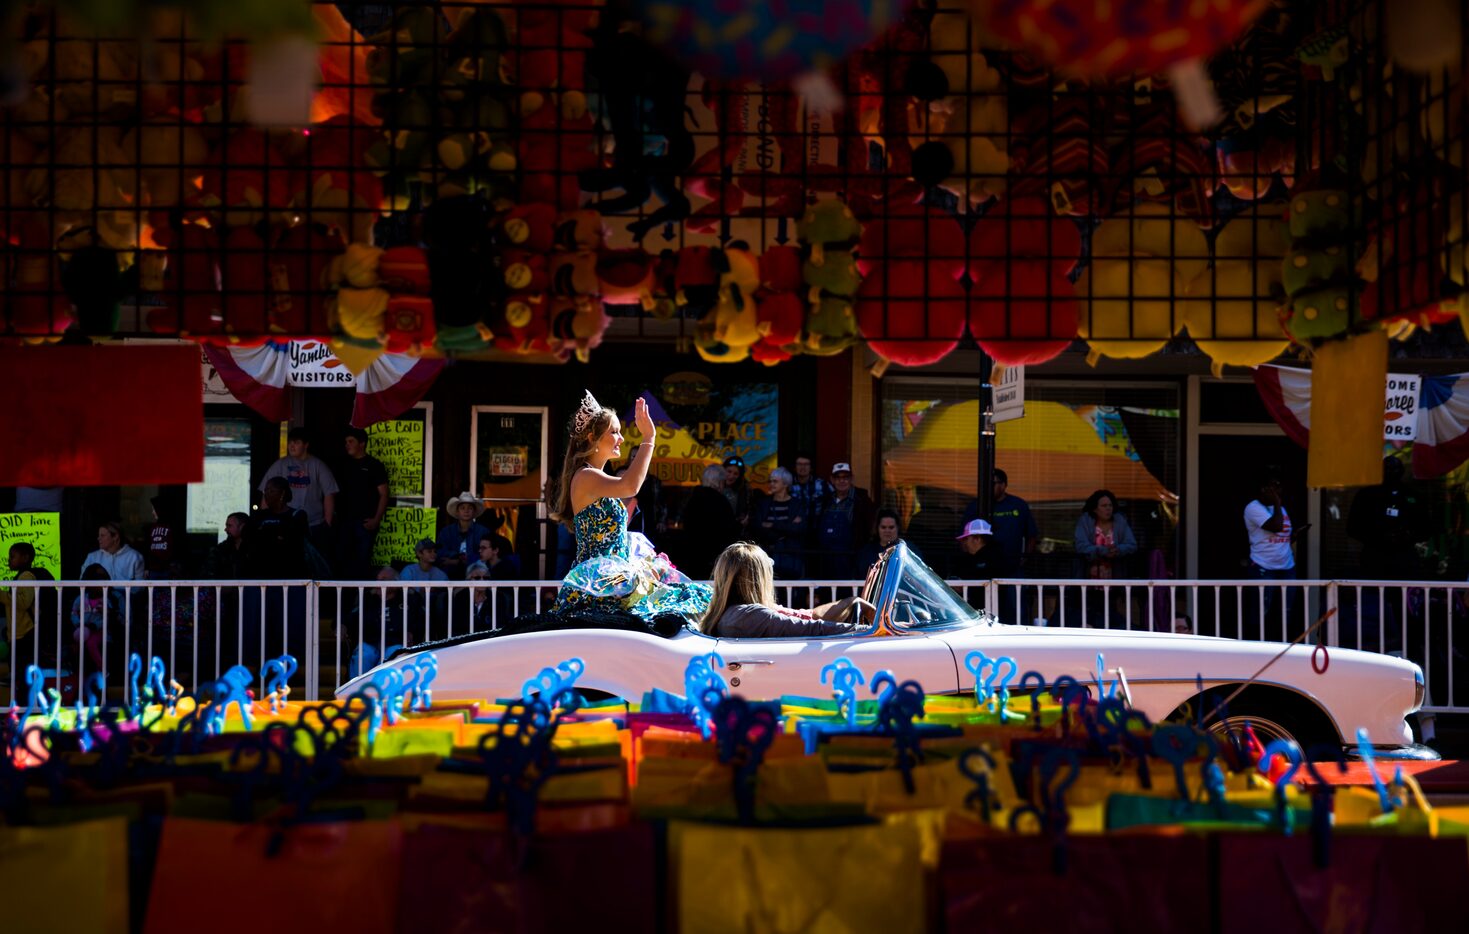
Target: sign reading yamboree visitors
[(314, 364), (1400, 414)]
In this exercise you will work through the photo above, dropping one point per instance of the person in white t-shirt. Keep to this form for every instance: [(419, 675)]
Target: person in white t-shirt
[(121, 561), (1269, 527), (1272, 541)]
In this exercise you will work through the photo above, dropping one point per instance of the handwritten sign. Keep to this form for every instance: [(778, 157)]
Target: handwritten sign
[(399, 445), (402, 528), (1400, 414), (41, 529), (226, 489)]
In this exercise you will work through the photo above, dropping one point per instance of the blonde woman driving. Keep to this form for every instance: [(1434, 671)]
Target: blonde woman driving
[(744, 604)]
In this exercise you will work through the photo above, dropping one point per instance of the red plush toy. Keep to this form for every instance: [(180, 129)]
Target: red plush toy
[(911, 311), (625, 277), (410, 324), (244, 278), (298, 281), (525, 272), (36, 307), (530, 227), (1022, 304), (780, 269), (404, 269), (527, 325), (191, 287)]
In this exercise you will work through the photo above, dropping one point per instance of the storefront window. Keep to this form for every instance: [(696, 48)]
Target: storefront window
[(1075, 438), (226, 485)]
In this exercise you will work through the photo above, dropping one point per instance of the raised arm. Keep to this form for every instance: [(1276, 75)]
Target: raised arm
[(590, 484)]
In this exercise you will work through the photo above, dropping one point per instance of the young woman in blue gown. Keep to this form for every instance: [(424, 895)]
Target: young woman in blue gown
[(614, 569)]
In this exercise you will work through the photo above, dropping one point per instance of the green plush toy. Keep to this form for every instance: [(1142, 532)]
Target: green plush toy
[(831, 329), (1323, 287)]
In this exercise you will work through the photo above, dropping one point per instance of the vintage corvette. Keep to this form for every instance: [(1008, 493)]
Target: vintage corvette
[(924, 631)]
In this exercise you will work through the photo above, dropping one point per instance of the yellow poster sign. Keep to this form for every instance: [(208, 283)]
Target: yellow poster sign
[(399, 445), (41, 529), (402, 528)]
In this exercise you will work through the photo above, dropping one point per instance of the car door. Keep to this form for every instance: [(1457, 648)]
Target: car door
[(765, 669)]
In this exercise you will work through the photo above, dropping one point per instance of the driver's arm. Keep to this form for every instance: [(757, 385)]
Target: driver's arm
[(842, 609)]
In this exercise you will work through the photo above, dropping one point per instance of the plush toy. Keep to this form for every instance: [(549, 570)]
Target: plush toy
[(780, 269), (1233, 308), (911, 312), (361, 314), (525, 272), (357, 267), (527, 325), (339, 191), (1160, 162), (530, 227), (247, 179), (638, 101), (696, 280), (579, 230), (739, 277), (1141, 265), (36, 308), (577, 326), (1093, 40), (1022, 304), (827, 225), (245, 275), (830, 328), (169, 156), (409, 324), (573, 275), (1059, 152), (463, 260), (299, 290), (1258, 79), (405, 269), (193, 305), (625, 277), (910, 306), (970, 122), (1324, 288)]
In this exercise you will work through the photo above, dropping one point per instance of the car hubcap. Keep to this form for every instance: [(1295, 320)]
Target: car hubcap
[(1265, 729)]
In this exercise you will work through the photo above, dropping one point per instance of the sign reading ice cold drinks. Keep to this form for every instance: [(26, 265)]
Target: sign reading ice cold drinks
[(399, 445), (1400, 414), (41, 529)]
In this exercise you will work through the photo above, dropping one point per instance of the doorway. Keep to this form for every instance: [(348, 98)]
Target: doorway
[(1229, 477)]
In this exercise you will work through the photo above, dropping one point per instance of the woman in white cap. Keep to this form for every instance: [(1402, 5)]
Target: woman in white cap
[(615, 569), (458, 542)]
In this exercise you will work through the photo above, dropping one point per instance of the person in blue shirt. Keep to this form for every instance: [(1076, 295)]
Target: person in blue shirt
[(1014, 526), (419, 622), (458, 543)]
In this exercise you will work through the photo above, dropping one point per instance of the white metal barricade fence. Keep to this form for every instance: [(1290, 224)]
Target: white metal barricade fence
[(336, 628)]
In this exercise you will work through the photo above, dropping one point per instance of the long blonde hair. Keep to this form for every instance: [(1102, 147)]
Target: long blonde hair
[(743, 574), (578, 449)]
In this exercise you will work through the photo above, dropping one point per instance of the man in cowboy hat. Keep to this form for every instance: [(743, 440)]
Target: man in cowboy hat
[(459, 540)]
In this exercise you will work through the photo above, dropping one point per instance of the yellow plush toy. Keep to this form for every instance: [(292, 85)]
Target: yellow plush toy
[(1233, 308), (1140, 269)]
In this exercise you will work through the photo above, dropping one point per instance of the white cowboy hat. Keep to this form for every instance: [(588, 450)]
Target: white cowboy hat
[(466, 497)]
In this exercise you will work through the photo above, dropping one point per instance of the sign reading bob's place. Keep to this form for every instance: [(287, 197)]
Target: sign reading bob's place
[(701, 422)]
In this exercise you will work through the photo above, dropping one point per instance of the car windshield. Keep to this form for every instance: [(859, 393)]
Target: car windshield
[(914, 598)]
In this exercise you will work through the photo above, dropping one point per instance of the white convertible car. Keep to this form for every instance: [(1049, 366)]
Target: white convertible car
[(924, 631)]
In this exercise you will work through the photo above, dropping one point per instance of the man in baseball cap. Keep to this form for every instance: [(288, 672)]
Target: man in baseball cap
[(981, 556), (844, 523)]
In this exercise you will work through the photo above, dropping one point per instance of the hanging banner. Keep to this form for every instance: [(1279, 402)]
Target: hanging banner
[(1400, 414), (314, 364), (402, 528), (41, 529), (399, 444)]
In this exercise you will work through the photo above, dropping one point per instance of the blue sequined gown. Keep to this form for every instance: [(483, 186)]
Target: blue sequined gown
[(619, 570)]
